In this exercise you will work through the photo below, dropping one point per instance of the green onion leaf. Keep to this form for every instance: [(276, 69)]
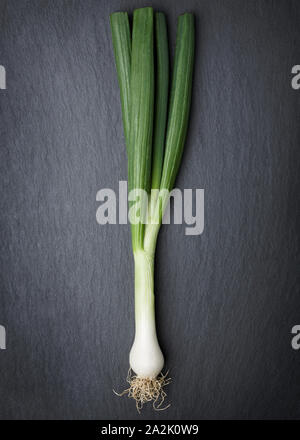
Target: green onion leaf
[(178, 116), (121, 38), (161, 97), (141, 109), (180, 100)]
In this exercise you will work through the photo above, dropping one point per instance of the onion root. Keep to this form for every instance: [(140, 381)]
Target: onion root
[(144, 390)]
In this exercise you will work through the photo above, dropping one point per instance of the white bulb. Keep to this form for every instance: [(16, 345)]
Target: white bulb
[(146, 358)]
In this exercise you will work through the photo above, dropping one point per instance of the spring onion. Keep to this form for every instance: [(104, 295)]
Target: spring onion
[(155, 130)]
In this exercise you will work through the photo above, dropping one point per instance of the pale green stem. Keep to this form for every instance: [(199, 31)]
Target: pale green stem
[(150, 238), (158, 203), (146, 358), (144, 290)]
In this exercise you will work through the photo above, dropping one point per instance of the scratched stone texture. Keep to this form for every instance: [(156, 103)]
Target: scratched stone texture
[(227, 299)]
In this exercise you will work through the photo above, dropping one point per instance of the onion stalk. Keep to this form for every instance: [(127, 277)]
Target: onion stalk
[(155, 129)]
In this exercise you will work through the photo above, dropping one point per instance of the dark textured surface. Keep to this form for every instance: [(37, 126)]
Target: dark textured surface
[(226, 300)]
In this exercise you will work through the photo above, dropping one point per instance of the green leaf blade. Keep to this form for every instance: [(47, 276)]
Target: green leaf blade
[(141, 109), (180, 100), (121, 38), (161, 97)]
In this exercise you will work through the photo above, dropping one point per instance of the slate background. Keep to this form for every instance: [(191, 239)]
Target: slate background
[(226, 300)]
